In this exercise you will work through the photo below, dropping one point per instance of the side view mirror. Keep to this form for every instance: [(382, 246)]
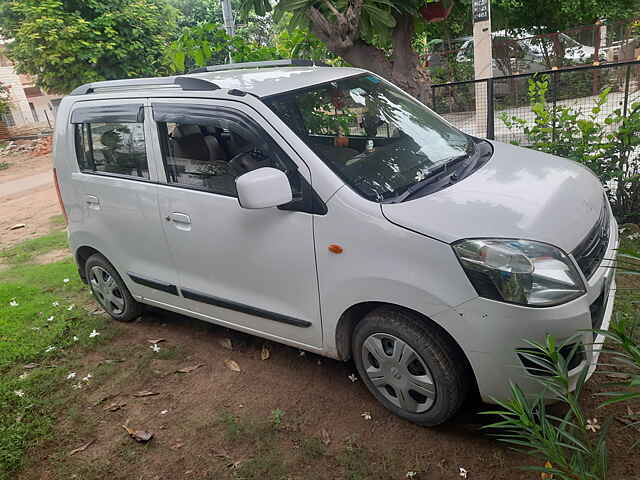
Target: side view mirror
[(263, 188)]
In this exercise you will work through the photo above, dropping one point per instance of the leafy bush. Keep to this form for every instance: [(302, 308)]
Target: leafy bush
[(609, 145), (571, 446)]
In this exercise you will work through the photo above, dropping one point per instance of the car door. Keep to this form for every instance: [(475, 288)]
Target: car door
[(254, 270), (116, 194)]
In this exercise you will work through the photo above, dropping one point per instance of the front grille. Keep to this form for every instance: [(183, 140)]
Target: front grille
[(590, 252)]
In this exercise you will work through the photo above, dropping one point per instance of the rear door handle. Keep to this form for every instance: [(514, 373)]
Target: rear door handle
[(181, 221), (92, 202)]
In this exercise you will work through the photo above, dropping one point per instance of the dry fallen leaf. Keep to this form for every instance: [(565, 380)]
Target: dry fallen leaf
[(145, 393), (265, 353), (545, 475), (105, 398), (326, 439), (141, 436), (619, 376), (29, 366), (155, 340), (177, 446), (226, 343), (189, 369), (115, 406), (17, 226), (82, 448), (232, 365)]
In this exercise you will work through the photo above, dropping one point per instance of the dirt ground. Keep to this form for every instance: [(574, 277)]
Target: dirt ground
[(215, 423), (33, 204)]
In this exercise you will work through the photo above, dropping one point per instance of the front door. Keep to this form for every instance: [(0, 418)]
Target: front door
[(254, 270)]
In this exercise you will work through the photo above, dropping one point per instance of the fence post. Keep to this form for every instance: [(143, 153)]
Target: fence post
[(433, 98), (627, 80), (490, 119), (554, 97)]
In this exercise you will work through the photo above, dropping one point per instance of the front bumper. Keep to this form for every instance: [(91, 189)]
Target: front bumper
[(490, 332)]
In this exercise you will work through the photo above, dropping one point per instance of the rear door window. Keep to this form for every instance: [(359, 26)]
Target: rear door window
[(110, 141)]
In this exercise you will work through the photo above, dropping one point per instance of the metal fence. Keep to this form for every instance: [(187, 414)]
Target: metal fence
[(480, 107)]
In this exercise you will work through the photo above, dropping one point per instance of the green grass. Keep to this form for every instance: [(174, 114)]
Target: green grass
[(26, 332), (29, 249), (4, 165)]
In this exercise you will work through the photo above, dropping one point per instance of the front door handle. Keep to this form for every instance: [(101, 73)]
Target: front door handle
[(181, 221)]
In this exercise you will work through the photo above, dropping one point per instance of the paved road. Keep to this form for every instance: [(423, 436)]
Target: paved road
[(17, 186)]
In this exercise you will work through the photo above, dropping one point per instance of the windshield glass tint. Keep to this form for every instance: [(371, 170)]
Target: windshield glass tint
[(375, 137)]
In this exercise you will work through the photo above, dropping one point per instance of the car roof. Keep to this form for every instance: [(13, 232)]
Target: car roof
[(263, 82)]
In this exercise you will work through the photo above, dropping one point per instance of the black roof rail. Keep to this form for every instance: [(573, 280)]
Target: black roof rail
[(292, 62), (186, 83)]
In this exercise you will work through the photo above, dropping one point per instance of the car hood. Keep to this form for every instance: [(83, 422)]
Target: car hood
[(518, 193)]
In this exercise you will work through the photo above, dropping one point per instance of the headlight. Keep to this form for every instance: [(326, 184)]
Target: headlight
[(519, 271)]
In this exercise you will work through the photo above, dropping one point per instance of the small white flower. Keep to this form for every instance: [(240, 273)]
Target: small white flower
[(19, 393), (13, 303), (70, 307), (87, 378), (76, 386), (50, 319), (65, 280), (634, 236), (75, 339), (411, 474), (50, 348), (71, 375), (55, 304), (35, 328), (302, 353), (592, 425), (164, 412), (353, 378), (463, 472), (155, 347), (94, 334), (23, 376), (366, 415)]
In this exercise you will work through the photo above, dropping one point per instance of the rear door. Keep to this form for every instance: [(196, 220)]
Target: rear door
[(117, 195), (250, 269)]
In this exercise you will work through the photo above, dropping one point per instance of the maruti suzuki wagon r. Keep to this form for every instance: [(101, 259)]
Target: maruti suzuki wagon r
[(326, 209)]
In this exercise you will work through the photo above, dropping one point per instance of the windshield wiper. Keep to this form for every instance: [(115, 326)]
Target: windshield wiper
[(436, 174)]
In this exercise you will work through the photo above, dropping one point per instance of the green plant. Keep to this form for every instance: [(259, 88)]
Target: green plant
[(4, 165), (609, 146), (570, 446), (276, 417)]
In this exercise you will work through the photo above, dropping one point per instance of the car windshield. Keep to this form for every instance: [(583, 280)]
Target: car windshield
[(379, 140)]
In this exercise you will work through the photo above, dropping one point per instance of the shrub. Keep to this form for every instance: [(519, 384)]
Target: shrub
[(609, 146)]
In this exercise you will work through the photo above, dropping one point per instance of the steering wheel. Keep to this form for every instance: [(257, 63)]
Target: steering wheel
[(248, 160)]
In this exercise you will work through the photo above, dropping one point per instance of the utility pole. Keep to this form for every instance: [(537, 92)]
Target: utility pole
[(482, 58), (229, 23)]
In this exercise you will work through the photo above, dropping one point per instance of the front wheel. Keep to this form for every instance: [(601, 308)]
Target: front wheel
[(410, 366), (110, 291)]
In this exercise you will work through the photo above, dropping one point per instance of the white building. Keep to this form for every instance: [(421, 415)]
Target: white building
[(28, 104)]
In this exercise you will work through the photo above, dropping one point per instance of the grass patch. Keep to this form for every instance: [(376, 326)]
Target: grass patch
[(43, 320), (29, 249), (4, 165)]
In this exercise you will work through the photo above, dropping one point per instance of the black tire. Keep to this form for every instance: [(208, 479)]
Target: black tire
[(445, 364), (131, 309)]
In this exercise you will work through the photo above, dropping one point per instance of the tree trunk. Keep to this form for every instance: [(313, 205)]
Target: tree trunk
[(402, 67)]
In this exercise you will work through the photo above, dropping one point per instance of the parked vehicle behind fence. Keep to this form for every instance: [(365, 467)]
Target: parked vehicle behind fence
[(326, 209)]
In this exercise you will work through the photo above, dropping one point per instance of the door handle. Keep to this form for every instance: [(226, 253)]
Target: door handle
[(176, 217), (92, 202)]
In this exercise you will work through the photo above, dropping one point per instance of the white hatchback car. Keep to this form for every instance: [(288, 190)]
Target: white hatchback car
[(326, 209)]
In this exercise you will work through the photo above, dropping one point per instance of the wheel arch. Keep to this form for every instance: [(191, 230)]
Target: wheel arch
[(355, 313), (82, 254)]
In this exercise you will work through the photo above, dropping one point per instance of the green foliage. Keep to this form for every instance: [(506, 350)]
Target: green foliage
[(574, 447), (607, 144), (556, 15), (67, 43), (209, 44), (28, 249), (276, 417), (4, 99)]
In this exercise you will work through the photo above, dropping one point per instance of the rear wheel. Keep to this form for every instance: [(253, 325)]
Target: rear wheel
[(411, 367), (110, 291)]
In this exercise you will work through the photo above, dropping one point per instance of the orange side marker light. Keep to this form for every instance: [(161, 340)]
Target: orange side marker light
[(333, 248)]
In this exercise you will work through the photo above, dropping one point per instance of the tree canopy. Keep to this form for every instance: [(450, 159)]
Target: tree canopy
[(65, 43)]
